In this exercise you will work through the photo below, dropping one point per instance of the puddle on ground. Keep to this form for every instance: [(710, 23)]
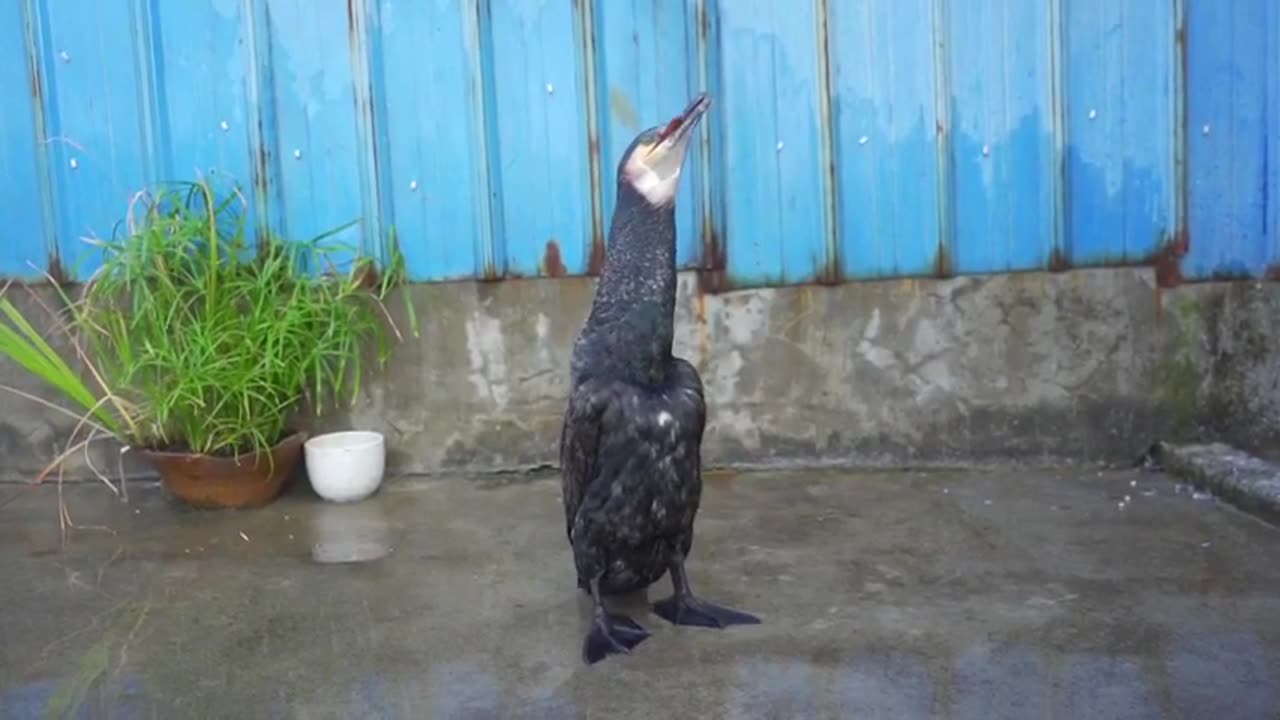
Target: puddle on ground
[(349, 533), (457, 600)]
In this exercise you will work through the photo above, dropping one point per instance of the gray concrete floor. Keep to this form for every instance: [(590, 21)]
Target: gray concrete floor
[(1010, 594)]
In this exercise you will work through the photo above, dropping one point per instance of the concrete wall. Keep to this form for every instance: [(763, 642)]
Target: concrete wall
[(1086, 366), (1217, 376)]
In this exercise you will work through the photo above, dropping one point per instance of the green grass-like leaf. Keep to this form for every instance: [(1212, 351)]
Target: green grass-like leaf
[(205, 342), (21, 343)]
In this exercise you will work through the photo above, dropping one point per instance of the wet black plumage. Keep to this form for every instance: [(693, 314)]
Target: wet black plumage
[(630, 447)]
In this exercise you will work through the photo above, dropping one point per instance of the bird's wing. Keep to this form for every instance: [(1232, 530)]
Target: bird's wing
[(580, 445)]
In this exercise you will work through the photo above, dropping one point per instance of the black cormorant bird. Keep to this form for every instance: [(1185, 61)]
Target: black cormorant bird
[(630, 446)]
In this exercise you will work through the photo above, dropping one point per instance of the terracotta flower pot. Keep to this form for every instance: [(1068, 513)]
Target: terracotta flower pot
[(250, 480)]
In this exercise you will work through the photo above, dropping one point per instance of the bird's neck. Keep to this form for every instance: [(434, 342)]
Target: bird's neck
[(630, 331)]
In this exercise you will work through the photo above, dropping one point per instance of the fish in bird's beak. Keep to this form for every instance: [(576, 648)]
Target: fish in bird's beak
[(654, 167)]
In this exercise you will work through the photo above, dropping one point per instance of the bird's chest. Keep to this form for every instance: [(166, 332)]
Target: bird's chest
[(674, 489), (658, 494), (672, 501)]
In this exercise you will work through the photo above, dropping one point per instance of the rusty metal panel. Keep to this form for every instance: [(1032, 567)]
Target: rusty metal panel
[(25, 245), (1233, 138), (1002, 135), (848, 139), (541, 130), (883, 88), (435, 151), (197, 116), (645, 73), (94, 117), (1122, 112), (314, 101), (768, 124)]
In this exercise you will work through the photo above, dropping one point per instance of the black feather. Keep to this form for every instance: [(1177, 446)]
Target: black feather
[(631, 476), (631, 442)]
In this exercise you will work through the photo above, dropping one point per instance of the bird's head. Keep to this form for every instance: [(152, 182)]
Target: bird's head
[(652, 163)]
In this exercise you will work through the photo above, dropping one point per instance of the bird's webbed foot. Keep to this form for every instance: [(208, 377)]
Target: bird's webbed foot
[(610, 633), (682, 608), (689, 610)]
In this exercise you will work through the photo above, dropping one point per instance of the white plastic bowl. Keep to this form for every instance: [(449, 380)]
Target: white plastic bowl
[(346, 466)]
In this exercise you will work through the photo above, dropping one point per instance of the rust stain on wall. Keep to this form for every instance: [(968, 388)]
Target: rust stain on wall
[(261, 173), (829, 272), (711, 272), (1058, 261), (942, 262), (1167, 260), (56, 270), (490, 273), (552, 264)]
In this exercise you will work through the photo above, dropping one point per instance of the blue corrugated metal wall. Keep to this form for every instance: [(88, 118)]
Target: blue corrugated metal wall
[(849, 139)]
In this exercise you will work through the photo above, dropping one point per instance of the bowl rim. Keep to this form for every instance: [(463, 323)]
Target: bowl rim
[(345, 440)]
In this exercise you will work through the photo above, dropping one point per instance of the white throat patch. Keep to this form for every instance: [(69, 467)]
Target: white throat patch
[(658, 190)]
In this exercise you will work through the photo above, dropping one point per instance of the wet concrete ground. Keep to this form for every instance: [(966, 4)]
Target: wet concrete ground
[(1012, 594)]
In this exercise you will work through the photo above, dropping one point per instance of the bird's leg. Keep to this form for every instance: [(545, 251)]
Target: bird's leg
[(682, 608), (610, 633)]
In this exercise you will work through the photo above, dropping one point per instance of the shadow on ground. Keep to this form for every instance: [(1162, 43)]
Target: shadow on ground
[(1013, 594)]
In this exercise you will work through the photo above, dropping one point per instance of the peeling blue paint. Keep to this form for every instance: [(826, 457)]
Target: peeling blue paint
[(1120, 121), (1233, 105), (25, 237), (852, 139), (883, 88)]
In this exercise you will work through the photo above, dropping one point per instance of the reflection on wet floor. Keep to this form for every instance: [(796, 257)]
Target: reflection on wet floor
[(985, 682), (349, 533), (991, 595)]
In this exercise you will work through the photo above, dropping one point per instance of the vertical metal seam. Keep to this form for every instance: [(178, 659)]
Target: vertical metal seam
[(877, 88), (367, 98), (697, 160), (149, 93), (943, 135), (595, 183), (830, 272), (1223, 140), (42, 107), (488, 184), (1272, 199), (710, 216), (1178, 108), (1058, 185), (263, 155), (1005, 176), (779, 185)]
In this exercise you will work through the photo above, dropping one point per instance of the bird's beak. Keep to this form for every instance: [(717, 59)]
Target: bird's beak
[(674, 139)]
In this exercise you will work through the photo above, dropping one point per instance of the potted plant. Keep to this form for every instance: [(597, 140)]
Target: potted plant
[(202, 349)]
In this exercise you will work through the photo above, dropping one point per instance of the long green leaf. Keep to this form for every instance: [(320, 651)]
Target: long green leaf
[(26, 347)]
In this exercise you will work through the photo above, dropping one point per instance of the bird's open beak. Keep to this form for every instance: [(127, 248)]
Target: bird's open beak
[(675, 136)]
